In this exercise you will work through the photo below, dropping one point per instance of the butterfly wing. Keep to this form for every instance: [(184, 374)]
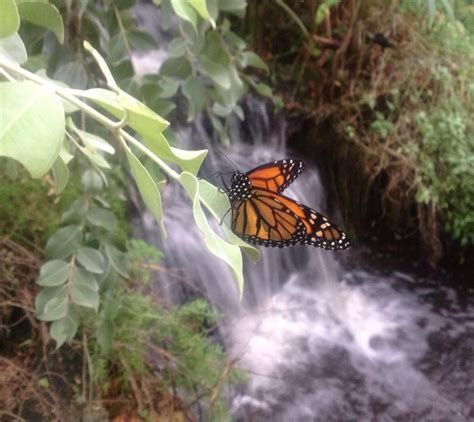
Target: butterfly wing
[(319, 231), (275, 176), (262, 220)]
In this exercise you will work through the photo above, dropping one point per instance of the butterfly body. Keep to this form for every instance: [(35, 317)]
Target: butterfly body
[(263, 216)]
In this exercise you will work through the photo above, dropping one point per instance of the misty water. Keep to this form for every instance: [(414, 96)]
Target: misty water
[(320, 340)]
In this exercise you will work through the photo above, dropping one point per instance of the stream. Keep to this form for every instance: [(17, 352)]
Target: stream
[(321, 338)]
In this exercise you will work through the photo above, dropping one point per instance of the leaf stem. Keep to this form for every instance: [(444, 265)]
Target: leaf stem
[(69, 95)]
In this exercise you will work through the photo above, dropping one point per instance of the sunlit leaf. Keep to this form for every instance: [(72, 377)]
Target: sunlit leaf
[(10, 21), (228, 252), (188, 160), (201, 8), (43, 14), (32, 126), (218, 204), (140, 118), (68, 106), (148, 189), (13, 49), (183, 9), (60, 174), (102, 64)]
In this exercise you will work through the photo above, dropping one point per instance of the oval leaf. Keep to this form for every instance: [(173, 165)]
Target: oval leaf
[(31, 125), (201, 7), (148, 189), (140, 118), (10, 21), (65, 329), (193, 89), (102, 218), (229, 253), (84, 290), (117, 259), (53, 273), (185, 11), (60, 174), (218, 204), (56, 307), (43, 14), (64, 242), (91, 259), (13, 49)]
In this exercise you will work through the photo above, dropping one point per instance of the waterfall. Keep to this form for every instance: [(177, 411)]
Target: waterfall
[(320, 341)]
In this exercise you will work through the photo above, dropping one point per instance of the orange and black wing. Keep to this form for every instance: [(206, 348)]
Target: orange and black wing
[(262, 220), (319, 231), (275, 176)]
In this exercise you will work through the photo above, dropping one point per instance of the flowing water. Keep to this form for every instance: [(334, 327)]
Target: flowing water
[(320, 341)]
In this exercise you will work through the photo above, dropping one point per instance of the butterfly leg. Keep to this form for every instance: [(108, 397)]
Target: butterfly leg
[(222, 219), (222, 181)]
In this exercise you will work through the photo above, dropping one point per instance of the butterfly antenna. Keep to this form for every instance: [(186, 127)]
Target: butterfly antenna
[(227, 158)]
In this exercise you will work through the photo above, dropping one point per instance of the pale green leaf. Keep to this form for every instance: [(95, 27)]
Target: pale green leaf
[(60, 174), (73, 74), (184, 10), (253, 60), (148, 189), (140, 118), (64, 329), (10, 20), (177, 47), (53, 273), (92, 180), (68, 106), (228, 252), (219, 73), (102, 218), (64, 242), (48, 293), (84, 290), (102, 64), (201, 7), (13, 49), (31, 125), (91, 259), (56, 307), (43, 14), (150, 126), (217, 202), (188, 160), (118, 260), (235, 6), (104, 334), (194, 90), (176, 67)]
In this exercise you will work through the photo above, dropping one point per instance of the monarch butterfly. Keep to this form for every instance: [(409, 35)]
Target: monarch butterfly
[(261, 215)]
